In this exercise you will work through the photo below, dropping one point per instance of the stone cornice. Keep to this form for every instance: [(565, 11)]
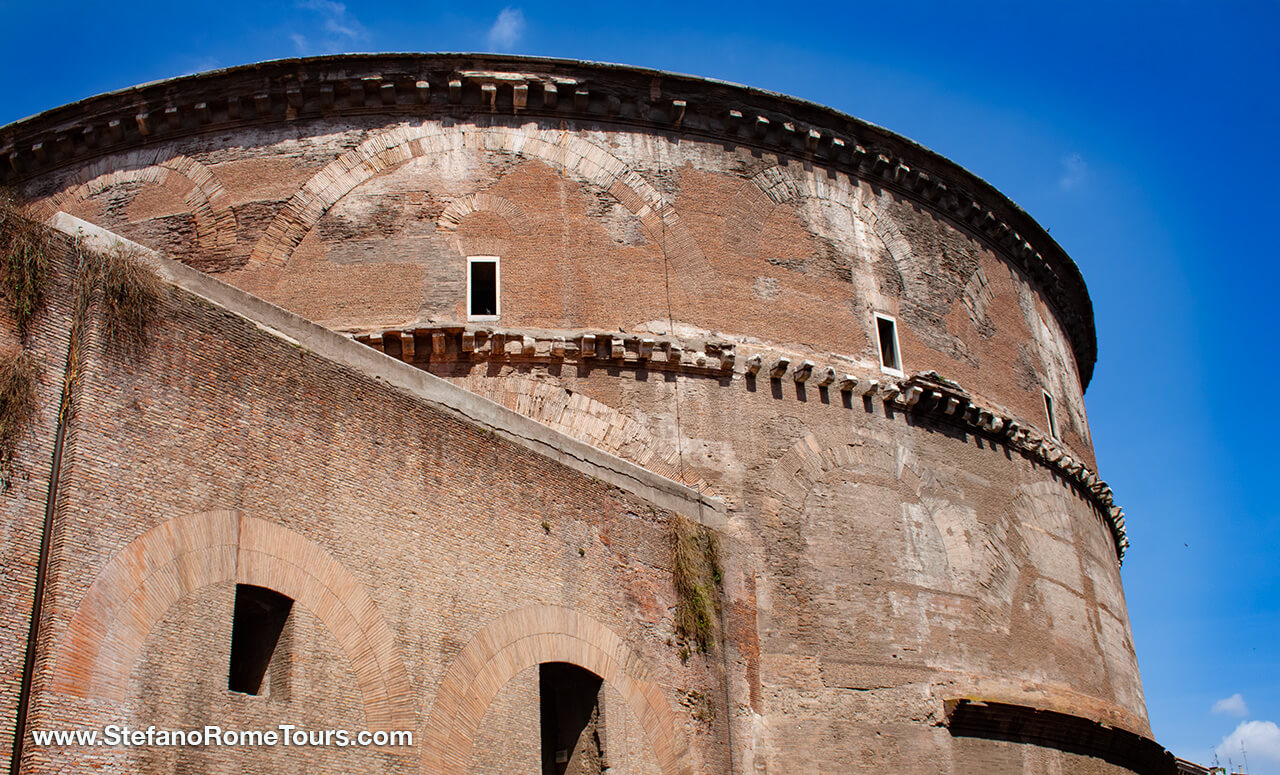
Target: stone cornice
[(472, 85), (991, 720), (925, 396)]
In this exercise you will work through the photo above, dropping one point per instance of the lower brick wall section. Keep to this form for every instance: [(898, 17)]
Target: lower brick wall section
[(187, 554), (405, 535), (181, 676), (625, 745), (528, 637)]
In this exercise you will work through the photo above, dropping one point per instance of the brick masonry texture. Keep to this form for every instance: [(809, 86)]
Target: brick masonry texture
[(372, 511), (878, 562)]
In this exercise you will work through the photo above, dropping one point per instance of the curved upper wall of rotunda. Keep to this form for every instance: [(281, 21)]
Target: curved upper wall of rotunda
[(353, 190)]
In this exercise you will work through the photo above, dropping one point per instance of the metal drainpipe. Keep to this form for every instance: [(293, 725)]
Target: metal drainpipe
[(37, 606), (46, 535)]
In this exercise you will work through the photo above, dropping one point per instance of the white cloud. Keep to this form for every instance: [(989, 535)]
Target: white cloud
[(1258, 741), (1231, 706), (1074, 171), (507, 29), (340, 28)]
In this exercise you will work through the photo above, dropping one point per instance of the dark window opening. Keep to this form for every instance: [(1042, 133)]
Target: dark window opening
[(259, 618), (888, 344), (1053, 420), (484, 288), (572, 729)]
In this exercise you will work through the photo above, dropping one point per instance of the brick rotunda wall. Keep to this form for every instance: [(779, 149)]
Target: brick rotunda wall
[(690, 286)]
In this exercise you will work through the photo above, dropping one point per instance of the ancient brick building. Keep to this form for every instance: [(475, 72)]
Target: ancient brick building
[(455, 355)]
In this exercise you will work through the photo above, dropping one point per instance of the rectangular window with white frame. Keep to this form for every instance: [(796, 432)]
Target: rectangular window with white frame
[(484, 285), (887, 339), (1053, 419)]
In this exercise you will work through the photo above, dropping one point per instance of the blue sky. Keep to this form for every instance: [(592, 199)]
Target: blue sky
[(1139, 134)]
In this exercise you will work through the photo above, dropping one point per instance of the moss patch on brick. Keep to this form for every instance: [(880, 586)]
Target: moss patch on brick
[(696, 573)]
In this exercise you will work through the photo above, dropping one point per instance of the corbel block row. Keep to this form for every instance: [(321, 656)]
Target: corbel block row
[(789, 135), (930, 394), (460, 343), (501, 92), (925, 393), (780, 366)]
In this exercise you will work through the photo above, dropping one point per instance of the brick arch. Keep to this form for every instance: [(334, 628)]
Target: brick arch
[(920, 302), (563, 150), (799, 469), (531, 636), (589, 420), (483, 201), (759, 196), (808, 460), (216, 225), (107, 633)]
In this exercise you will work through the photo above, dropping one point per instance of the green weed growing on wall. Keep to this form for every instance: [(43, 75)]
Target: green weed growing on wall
[(19, 377), (25, 246), (130, 297), (696, 573)]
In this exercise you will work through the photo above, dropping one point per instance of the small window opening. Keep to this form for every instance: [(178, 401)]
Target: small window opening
[(482, 288), (572, 726), (887, 330), (1053, 419), (259, 618)]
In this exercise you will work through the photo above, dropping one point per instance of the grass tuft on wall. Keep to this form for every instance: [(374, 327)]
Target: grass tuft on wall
[(130, 297), (695, 570), (19, 377), (25, 247)]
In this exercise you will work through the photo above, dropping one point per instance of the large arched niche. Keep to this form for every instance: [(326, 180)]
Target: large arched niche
[(171, 183), (864, 244), (565, 151), (181, 680), (864, 516), (528, 637), (108, 631)]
